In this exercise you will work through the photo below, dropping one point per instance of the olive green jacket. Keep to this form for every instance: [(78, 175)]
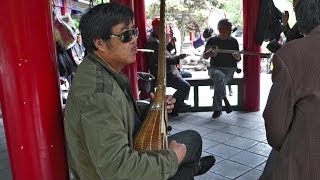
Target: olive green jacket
[(99, 123)]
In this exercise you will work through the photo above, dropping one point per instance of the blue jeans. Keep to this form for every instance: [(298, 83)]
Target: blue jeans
[(190, 165), (221, 77), (182, 87)]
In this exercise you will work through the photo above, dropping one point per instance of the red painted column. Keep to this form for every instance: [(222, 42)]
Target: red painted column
[(140, 22), (251, 64), (64, 8), (29, 92), (130, 70)]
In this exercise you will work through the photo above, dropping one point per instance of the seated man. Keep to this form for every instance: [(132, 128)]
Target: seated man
[(174, 78), (101, 117), (222, 65)]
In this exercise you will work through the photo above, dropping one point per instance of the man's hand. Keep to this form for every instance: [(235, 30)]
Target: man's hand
[(285, 18), (170, 103), (179, 149), (181, 56), (236, 55), (209, 53)]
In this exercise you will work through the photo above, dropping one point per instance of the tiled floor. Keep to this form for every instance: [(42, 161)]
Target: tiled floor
[(5, 172), (237, 140)]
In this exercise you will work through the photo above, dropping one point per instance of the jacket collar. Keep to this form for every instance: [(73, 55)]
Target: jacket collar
[(120, 78), (106, 66), (314, 31)]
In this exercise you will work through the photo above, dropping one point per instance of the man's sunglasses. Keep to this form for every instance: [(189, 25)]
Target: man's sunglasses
[(127, 35)]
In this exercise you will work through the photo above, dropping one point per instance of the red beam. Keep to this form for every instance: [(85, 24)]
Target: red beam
[(64, 8), (29, 91)]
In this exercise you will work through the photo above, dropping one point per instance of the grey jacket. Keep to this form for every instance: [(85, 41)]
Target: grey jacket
[(99, 123)]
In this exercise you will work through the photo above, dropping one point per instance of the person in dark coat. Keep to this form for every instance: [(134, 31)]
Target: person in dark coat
[(291, 33), (269, 24), (174, 78)]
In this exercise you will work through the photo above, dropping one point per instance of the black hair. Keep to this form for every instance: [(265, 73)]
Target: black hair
[(207, 32), (307, 15), (98, 22), (224, 23)]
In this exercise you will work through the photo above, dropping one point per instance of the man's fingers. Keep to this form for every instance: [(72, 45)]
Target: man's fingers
[(151, 95)]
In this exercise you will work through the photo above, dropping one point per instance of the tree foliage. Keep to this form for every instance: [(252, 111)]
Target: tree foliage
[(192, 14), (233, 9)]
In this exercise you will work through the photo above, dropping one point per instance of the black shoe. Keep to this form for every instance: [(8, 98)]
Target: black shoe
[(173, 114), (184, 105), (205, 164), (216, 114), (228, 106)]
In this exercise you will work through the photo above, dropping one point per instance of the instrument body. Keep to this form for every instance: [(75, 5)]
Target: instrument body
[(152, 135)]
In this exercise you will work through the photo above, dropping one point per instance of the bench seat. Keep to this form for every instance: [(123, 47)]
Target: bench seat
[(206, 81)]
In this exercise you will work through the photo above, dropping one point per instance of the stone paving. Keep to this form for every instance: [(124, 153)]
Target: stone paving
[(237, 140)]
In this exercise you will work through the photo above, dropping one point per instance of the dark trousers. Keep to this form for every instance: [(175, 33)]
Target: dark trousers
[(182, 87), (190, 165)]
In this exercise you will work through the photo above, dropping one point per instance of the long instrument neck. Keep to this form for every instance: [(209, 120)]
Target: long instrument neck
[(161, 81), (263, 55)]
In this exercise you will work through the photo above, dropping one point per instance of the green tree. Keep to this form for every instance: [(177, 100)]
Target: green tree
[(188, 15), (233, 9)]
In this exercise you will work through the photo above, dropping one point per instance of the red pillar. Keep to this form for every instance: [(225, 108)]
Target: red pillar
[(251, 64), (140, 22), (130, 70), (191, 37), (29, 92), (64, 8)]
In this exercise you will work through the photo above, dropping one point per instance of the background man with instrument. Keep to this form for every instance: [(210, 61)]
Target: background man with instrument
[(222, 65), (101, 117), (174, 78)]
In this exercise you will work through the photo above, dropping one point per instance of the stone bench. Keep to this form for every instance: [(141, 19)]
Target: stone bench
[(206, 81)]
